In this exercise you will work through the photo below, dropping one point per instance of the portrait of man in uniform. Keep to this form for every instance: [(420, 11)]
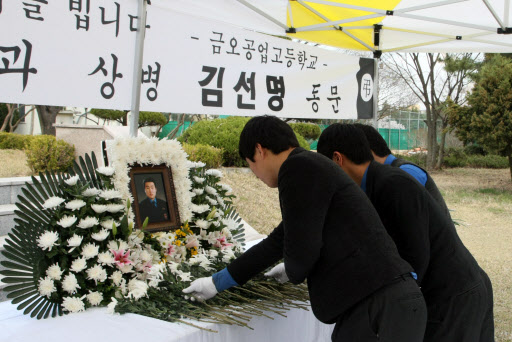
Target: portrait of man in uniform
[(154, 197), (153, 207)]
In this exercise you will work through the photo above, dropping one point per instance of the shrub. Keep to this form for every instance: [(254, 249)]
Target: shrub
[(45, 153), (223, 134), (419, 159), (211, 156), (309, 131), (13, 141), (490, 161), (152, 119), (220, 133), (474, 149), (109, 114)]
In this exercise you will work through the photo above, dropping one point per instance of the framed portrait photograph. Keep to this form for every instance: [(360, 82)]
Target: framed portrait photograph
[(154, 197)]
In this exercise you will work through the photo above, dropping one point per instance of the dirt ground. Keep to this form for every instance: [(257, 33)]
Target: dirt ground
[(481, 200)]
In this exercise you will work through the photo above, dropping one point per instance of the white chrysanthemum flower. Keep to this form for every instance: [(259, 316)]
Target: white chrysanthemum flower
[(198, 191), (97, 273), (74, 242), (47, 240), (221, 201), (53, 202), (211, 200), (105, 170), (213, 172), (213, 253), (107, 224), (73, 304), (126, 268), (195, 165), (118, 244), (184, 276), (67, 221), (99, 208), (46, 287), (78, 265), (54, 272), (106, 258), (72, 180), (95, 298), (111, 307), (199, 180), (210, 190), (116, 277), (88, 222), (202, 224), (227, 255), (90, 192), (137, 289), (70, 284), (101, 235), (90, 251), (110, 194), (75, 204), (114, 208), (225, 187), (201, 208)]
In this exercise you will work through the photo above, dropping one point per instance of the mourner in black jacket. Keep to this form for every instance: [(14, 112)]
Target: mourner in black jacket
[(457, 291), (152, 207), (382, 154), (331, 236)]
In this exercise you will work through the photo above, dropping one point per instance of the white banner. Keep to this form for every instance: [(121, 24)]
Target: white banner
[(81, 53)]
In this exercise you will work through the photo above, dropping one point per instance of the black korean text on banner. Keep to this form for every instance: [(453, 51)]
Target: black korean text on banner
[(11, 57), (275, 87), (107, 89), (151, 76), (254, 73), (32, 9)]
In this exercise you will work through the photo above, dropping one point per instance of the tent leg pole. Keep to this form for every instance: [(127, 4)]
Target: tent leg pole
[(137, 72), (375, 92)]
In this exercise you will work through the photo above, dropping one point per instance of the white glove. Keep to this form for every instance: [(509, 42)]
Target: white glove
[(202, 288), (278, 273)]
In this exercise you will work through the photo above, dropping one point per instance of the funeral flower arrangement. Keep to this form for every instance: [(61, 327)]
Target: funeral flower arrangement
[(75, 246)]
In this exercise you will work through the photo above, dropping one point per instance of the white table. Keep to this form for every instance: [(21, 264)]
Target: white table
[(95, 325)]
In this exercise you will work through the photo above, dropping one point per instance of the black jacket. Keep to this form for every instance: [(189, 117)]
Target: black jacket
[(430, 185), (330, 235), (156, 214), (424, 235)]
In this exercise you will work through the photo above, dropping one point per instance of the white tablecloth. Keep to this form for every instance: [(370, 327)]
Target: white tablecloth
[(95, 325)]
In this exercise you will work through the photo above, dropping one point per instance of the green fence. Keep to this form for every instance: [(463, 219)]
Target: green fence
[(397, 139)]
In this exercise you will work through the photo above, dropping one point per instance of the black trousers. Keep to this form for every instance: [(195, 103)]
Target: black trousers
[(466, 317), (395, 313)]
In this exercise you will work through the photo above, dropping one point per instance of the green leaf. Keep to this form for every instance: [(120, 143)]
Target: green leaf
[(38, 307), (145, 223), (18, 287), (43, 310), (15, 266), (19, 299), (21, 292)]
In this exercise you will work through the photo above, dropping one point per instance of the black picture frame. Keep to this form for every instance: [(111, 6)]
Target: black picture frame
[(164, 214)]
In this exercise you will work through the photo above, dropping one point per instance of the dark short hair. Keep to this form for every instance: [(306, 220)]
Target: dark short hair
[(268, 131), (377, 143), (149, 180), (347, 139)]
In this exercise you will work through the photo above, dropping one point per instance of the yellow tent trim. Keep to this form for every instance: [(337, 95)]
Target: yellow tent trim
[(329, 35)]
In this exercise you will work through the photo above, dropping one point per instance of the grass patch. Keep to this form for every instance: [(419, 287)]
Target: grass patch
[(14, 164)]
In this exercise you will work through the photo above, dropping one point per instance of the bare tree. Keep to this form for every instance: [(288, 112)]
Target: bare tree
[(47, 117), (433, 78), (9, 120)]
